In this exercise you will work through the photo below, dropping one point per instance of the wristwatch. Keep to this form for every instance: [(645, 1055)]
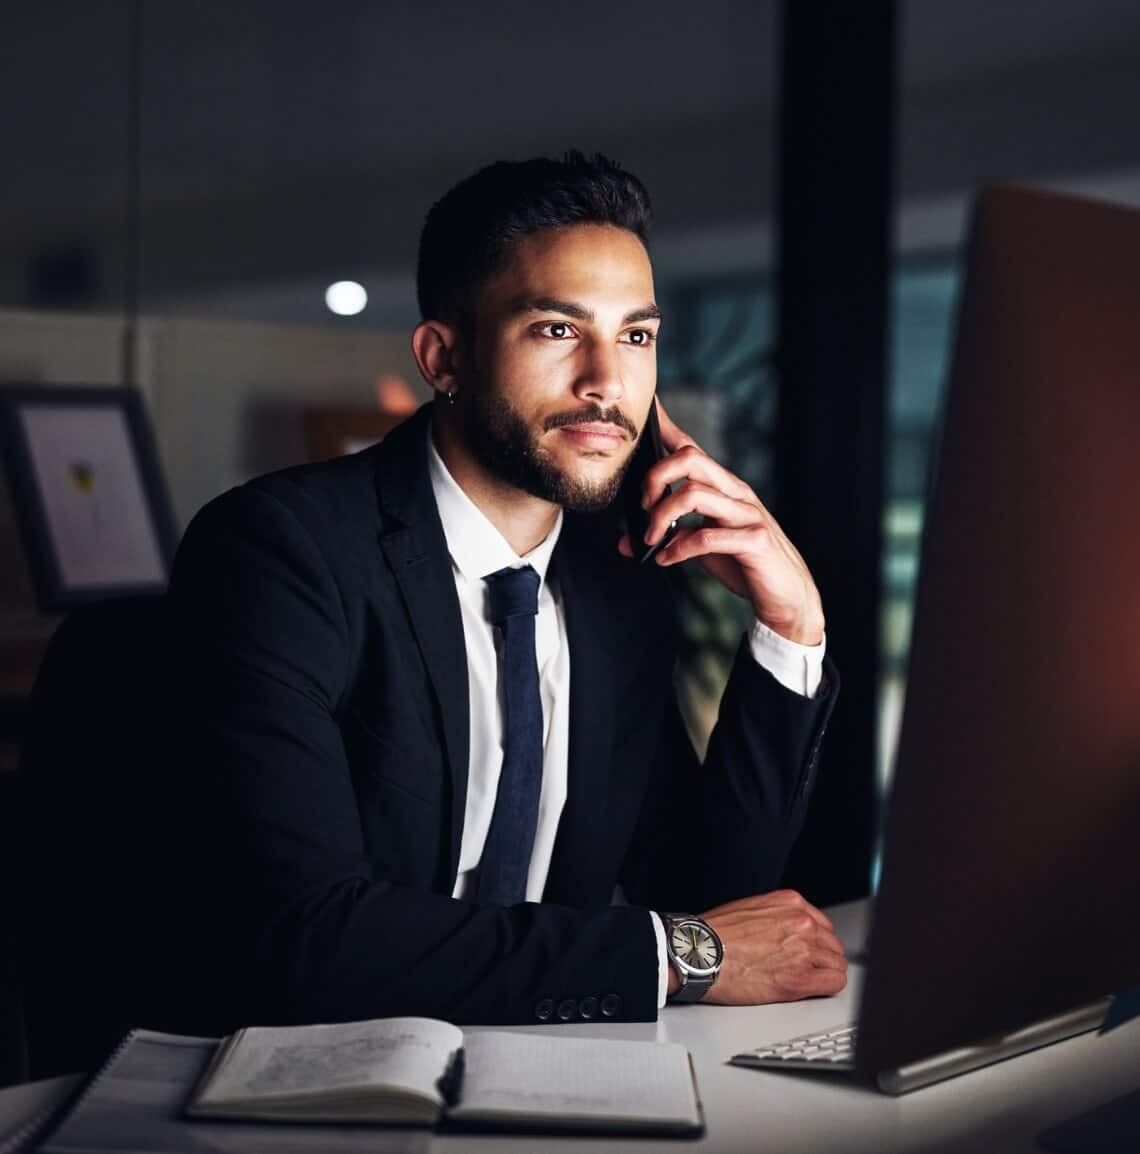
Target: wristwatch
[(695, 953)]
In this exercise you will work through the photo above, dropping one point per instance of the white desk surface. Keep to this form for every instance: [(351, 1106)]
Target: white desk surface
[(998, 1110)]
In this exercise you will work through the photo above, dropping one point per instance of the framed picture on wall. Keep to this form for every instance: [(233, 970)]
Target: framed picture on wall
[(88, 492)]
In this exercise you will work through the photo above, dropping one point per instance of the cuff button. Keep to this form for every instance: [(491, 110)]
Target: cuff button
[(588, 1007), (566, 1009), (544, 1011), (611, 1004)]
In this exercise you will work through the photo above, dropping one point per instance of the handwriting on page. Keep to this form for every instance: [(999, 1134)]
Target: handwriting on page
[(332, 1064), (397, 1052), (577, 1076)]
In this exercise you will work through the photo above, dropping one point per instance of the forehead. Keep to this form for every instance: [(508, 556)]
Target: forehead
[(590, 264)]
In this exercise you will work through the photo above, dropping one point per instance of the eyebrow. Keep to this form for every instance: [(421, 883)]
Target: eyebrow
[(576, 312)]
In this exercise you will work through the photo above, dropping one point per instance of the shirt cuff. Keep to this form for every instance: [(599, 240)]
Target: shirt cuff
[(796, 667), (662, 960)]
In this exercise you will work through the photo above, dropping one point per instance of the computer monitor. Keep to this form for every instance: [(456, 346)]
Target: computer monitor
[(1011, 869)]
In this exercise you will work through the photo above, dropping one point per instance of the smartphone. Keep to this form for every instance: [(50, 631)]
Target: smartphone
[(648, 452)]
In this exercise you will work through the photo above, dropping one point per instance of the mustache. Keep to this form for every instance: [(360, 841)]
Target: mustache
[(594, 414)]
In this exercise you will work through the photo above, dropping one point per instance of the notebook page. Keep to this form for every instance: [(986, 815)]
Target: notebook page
[(516, 1075), (138, 1100), (272, 1063)]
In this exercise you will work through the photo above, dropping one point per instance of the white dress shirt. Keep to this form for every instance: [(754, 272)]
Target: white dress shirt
[(477, 550)]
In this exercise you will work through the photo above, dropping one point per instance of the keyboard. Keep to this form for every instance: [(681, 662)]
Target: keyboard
[(834, 1050), (823, 1050)]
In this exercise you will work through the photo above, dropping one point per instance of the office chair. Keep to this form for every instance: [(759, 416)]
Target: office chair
[(98, 818)]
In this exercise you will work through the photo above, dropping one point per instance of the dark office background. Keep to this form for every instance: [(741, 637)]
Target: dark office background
[(180, 183)]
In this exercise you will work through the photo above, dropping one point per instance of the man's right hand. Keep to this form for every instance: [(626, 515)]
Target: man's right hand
[(777, 948)]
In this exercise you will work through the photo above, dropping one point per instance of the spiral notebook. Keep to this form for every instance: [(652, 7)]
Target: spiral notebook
[(167, 1094), (137, 1101)]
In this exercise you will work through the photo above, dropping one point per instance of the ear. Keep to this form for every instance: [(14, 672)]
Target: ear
[(435, 347)]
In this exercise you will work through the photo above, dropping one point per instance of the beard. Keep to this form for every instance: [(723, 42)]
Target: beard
[(505, 445)]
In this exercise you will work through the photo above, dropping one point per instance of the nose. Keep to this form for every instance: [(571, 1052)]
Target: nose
[(600, 376)]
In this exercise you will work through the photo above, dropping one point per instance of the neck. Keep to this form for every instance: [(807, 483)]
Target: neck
[(525, 521)]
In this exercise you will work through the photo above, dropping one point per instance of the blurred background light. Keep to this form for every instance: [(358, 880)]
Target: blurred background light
[(346, 298)]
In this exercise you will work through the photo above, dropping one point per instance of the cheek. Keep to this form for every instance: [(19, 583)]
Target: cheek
[(526, 364), (640, 365), (640, 379)]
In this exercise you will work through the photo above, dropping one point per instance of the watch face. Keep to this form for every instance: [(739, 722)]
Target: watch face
[(694, 946)]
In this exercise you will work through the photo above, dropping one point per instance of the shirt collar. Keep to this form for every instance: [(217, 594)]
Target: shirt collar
[(477, 548)]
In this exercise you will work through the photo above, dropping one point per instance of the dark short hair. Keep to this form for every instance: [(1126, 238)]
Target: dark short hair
[(469, 231)]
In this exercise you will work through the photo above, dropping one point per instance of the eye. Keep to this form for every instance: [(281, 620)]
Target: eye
[(640, 338), (556, 330)]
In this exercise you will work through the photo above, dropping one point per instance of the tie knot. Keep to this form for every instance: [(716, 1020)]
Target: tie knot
[(514, 593)]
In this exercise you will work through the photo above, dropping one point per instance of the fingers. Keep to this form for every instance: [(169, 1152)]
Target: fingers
[(697, 497), (802, 934), (711, 539), (777, 954), (829, 947), (704, 479), (776, 948), (804, 951), (773, 900), (673, 437), (809, 982), (687, 462)]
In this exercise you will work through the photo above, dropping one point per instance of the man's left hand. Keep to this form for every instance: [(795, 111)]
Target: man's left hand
[(739, 541)]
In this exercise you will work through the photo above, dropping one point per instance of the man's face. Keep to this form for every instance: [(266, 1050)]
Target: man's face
[(565, 364)]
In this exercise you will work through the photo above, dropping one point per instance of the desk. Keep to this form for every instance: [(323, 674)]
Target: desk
[(998, 1110)]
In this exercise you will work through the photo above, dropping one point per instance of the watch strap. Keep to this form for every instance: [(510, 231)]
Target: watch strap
[(691, 990)]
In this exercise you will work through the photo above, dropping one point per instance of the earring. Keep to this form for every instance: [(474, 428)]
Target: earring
[(451, 396)]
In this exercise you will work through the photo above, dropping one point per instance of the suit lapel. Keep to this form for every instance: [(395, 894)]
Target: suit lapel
[(592, 631), (416, 551)]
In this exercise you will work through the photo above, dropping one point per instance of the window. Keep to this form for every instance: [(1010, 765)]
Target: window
[(923, 313)]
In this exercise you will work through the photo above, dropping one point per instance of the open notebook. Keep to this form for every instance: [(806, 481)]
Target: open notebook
[(419, 1071)]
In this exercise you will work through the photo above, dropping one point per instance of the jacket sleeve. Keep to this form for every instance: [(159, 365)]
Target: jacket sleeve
[(738, 814), (304, 930)]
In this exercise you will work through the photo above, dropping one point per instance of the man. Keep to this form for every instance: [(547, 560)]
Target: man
[(434, 725)]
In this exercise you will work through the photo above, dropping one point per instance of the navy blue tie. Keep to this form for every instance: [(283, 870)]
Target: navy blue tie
[(506, 853)]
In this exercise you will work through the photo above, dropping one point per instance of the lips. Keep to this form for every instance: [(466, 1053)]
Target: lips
[(594, 434)]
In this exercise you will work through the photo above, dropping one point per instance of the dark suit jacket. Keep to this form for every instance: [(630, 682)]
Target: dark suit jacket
[(328, 732)]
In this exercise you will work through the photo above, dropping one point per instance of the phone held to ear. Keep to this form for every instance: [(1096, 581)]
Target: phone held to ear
[(648, 452)]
